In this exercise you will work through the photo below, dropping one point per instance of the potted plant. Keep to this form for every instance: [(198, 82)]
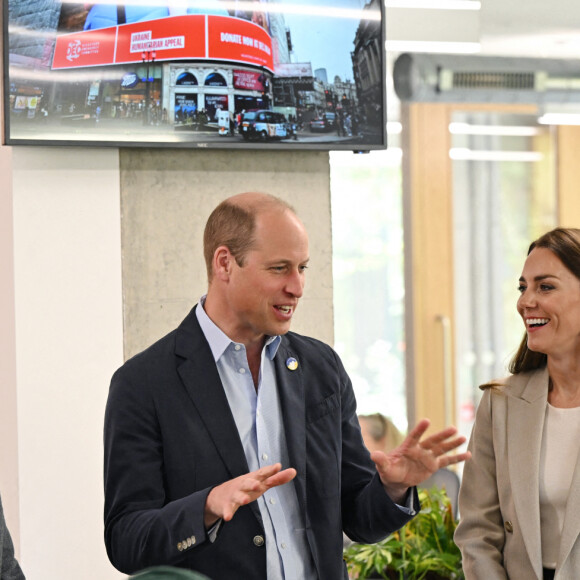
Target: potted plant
[(423, 549)]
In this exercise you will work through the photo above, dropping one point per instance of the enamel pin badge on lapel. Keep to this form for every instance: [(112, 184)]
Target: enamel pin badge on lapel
[(292, 363)]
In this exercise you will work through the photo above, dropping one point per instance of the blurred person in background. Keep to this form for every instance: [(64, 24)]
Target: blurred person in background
[(379, 432)]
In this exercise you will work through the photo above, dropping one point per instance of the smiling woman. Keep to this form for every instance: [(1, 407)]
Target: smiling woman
[(522, 480)]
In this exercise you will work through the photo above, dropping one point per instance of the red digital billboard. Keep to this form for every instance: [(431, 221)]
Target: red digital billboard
[(247, 80), (188, 37)]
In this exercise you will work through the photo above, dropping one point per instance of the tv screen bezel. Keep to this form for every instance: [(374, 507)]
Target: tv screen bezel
[(10, 138)]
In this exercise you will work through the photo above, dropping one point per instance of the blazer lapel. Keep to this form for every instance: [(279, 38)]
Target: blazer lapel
[(203, 384), (291, 393), (571, 528), (526, 413)]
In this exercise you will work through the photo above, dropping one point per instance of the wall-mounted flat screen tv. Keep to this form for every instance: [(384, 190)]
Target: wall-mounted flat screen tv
[(277, 74)]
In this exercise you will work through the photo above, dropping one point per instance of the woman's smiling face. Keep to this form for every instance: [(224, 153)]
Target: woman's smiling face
[(549, 304)]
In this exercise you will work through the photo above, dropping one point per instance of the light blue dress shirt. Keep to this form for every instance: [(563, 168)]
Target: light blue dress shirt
[(258, 418)]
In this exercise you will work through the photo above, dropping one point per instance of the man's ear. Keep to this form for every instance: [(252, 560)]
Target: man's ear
[(222, 263)]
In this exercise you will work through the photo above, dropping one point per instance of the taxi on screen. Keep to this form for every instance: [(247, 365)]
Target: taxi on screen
[(264, 125)]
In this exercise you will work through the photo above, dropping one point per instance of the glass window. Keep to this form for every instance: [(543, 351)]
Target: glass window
[(367, 226), (503, 197), (215, 80), (186, 79)]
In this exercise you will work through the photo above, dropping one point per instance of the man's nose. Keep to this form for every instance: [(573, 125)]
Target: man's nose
[(295, 284)]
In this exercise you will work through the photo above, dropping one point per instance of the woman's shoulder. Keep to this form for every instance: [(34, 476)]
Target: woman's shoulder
[(515, 383), (498, 385)]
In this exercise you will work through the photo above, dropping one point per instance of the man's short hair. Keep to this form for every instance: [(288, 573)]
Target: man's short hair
[(233, 225)]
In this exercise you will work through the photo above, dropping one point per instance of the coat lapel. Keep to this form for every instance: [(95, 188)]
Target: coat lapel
[(201, 379), (291, 393), (571, 529), (526, 413)]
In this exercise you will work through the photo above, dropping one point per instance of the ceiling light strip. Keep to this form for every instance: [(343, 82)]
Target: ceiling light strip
[(433, 46), (435, 5), (464, 154), (503, 130), (559, 119)]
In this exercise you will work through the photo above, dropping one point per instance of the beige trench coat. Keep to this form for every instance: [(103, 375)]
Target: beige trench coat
[(499, 528)]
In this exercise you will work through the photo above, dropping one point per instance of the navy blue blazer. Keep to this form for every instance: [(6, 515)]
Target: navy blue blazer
[(9, 567), (170, 437)]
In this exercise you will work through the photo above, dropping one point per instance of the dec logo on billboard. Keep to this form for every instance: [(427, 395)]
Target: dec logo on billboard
[(89, 48), (73, 50)]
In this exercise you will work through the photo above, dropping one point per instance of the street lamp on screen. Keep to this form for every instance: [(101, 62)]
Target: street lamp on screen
[(148, 58)]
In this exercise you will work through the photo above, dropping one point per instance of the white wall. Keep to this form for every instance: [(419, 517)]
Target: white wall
[(68, 341), (8, 402)]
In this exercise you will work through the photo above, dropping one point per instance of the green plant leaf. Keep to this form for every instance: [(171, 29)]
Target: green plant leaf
[(424, 546)]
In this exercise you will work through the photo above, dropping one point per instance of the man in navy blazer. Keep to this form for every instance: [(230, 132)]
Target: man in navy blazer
[(232, 446), (9, 566)]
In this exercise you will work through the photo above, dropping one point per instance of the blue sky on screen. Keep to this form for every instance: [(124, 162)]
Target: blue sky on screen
[(311, 43)]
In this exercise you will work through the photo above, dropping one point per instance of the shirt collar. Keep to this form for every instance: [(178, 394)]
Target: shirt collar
[(219, 341)]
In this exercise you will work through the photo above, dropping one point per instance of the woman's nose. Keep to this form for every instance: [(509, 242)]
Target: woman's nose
[(526, 299)]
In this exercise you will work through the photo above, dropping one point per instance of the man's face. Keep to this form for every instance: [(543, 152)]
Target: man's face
[(262, 295)]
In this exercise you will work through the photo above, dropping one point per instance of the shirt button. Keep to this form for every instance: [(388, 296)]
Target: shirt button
[(264, 456), (237, 347), (258, 541), (283, 546), (242, 371), (272, 501)]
